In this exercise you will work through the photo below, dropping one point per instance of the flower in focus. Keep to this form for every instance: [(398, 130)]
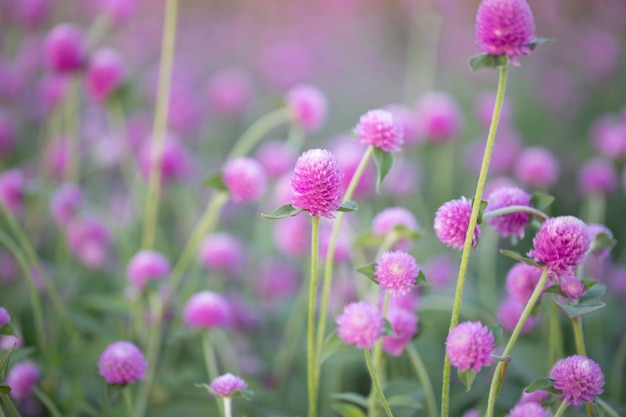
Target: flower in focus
[(226, 385), (245, 179), (579, 377), (122, 363), (396, 272), (451, 223), (508, 224), (308, 106), (470, 345), (361, 324), (380, 129)]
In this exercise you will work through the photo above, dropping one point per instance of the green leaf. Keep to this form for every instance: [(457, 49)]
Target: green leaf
[(215, 181), (351, 397), (4, 363), (348, 410), (403, 232), (483, 60), (348, 206), (281, 212), (467, 377), (331, 346), (5, 389), (388, 331), (481, 210), (247, 394), (383, 161), (602, 241), (578, 309), (595, 291), (541, 201), (7, 330), (520, 258), (369, 271), (497, 331), (542, 384), (539, 41), (554, 289), (404, 401), (421, 279), (367, 240)]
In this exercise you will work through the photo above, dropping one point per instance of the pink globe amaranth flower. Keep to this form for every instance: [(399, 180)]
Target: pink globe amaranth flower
[(245, 179), (30, 13), (537, 167), (531, 409), (396, 272), (534, 397), (88, 240), (483, 108), (441, 270), (508, 224), (470, 345), (106, 73), (361, 324), (229, 92), (226, 385), (579, 377), (451, 223), (22, 379), (7, 133), (7, 342), (349, 154), (207, 310), (118, 10), (440, 117), (597, 176), (505, 27), (122, 363), (64, 50), (572, 287), (510, 311), (407, 118), (221, 252), (175, 160), (387, 220), (521, 281), (473, 412), (65, 202), (5, 318), (381, 130), (292, 236), (307, 106), (561, 244), (316, 183), (608, 136), (12, 190), (147, 265), (276, 157), (404, 324)]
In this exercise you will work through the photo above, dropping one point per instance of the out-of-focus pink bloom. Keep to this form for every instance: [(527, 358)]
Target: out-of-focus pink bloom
[(537, 167), (439, 116), (106, 72), (175, 160), (608, 136), (145, 266), (282, 190), (52, 90), (88, 239), (572, 287), (387, 220), (509, 313), (118, 10), (245, 179), (229, 92), (597, 176), (307, 106), (403, 179), (30, 13), (122, 363), (276, 157), (12, 185), (276, 281), (617, 281), (207, 310), (505, 150), (64, 49), (441, 270), (22, 379), (521, 281), (65, 202), (227, 384), (508, 224), (601, 53), (221, 252), (404, 325), (408, 120), (361, 324), (527, 410)]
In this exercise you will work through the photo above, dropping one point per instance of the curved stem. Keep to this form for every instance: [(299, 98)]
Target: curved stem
[(422, 375), (153, 195), (368, 361), (128, 402), (498, 374), (257, 130), (516, 209), (312, 364), (561, 409)]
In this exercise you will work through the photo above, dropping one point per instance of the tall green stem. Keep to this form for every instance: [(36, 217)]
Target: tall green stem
[(381, 396), (422, 375), (228, 407), (311, 357), (209, 356), (128, 402), (152, 354), (153, 195), (577, 326), (256, 132), (482, 178), (377, 363), (8, 403), (555, 342), (498, 375)]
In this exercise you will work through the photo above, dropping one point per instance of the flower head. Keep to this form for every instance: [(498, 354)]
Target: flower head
[(122, 363), (245, 178), (221, 252), (440, 117), (64, 203), (451, 223), (396, 272), (579, 377), (360, 324), (105, 74), (22, 378), (561, 244), (572, 287), (147, 265), (174, 159), (316, 183), (530, 409), (5, 318), (505, 27), (64, 49), (308, 107), (118, 10), (470, 345), (12, 190), (521, 281), (509, 313), (88, 239), (597, 176), (276, 157), (537, 167), (206, 310), (229, 92), (404, 324), (508, 224), (390, 218), (380, 129), (226, 385)]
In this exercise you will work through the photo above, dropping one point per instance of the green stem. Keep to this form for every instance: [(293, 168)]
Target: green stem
[(555, 336), (9, 405), (561, 409), (498, 375), (516, 209), (482, 178), (577, 326), (209, 356), (311, 357), (152, 354), (618, 369), (257, 130), (151, 204), (228, 407), (128, 402), (368, 361), (377, 363), (422, 375), (487, 267)]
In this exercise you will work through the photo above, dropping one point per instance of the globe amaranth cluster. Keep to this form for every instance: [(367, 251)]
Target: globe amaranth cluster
[(469, 345), (451, 222), (122, 363), (579, 377), (361, 324)]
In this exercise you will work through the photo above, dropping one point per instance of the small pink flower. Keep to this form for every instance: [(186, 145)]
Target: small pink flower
[(307, 105), (5, 318), (597, 176), (396, 272), (175, 160), (105, 74), (521, 281), (451, 223), (229, 92), (380, 129), (360, 324), (387, 220), (226, 385), (276, 157), (122, 363), (440, 117), (508, 224), (404, 324), (245, 178), (579, 377), (470, 345), (88, 240), (65, 202), (22, 379), (12, 190), (531, 409), (572, 287), (64, 49), (207, 310), (221, 252), (537, 167), (509, 314), (145, 266)]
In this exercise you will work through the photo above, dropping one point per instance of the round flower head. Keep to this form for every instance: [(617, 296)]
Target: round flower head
[(122, 363), (579, 377), (22, 379), (5, 318), (380, 129), (597, 176), (536, 167), (470, 345), (307, 105), (229, 92), (561, 244), (440, 117), (404, 324), (147, 265), (505, 27), (175, 160), (316, 183), (508, 224), (361, 324), (396, 272), (245, 178), (226, 385), (441, 270), (206, 310), (387, 220), (64, 49), (221, 252), (451, 223), (64, 203), (509, 313), (572, 287), (521, 281), (608, 136), (530, 409), (276, 157), (12, 190), (105, 74)]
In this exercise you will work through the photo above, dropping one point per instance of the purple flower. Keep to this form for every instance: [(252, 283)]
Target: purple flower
[(608, 135), (64, 49), (390, 218), (245, 178), (470, 345), (88, 240), (226, 385), (5, 318), (316, 183), (597, 176), (579, 377), (122, 363), (404, 324), (380, 129), (505, 27), (572, 287), (147, 265), (276, 157), (361, 324), (508, 224), (221, 252), (175, 160), (22, 379), (440, 117), (561, 244), (307, 105), (521, 281), (536, 167), (531, 409), (451, 223), (105, 74), (509, 314), (408, 120), (206, 310), (229, 92), (65, 202), (12, 190), (396, 272)]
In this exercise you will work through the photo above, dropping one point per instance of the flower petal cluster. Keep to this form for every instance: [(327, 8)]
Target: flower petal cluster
[(245, 178), (521, 281), (508, 224), (147, 265), (206, 310), (122, 363), (396, 272), (226, 385), (470, 345), (22, 379), (308, 106), (579, 377), (451, 223), (361, 324), (380, 129)]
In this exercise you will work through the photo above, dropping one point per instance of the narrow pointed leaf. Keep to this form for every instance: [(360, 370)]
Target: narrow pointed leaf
[(331, 346), (602, 241), (404, 401), (539, 41), (467, 377), (541, 201), (351, 397), (479, 61), (348, 206), (514, 255), (383, 161), (7, 330), (281, 212), (348, 410), (369, 271), (578, 309), (497, 331), (388, 331), (215, 181), (421, 279), (554, 289), (594, 292), (4, 363)]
